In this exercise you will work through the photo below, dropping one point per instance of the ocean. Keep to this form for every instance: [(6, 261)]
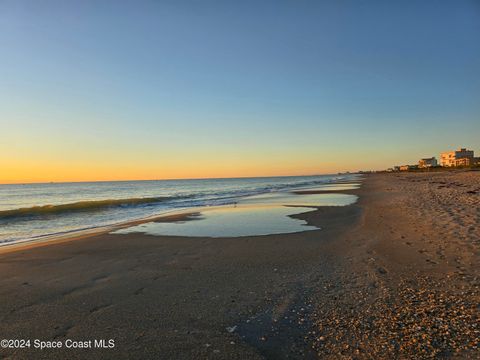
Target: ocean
[(33, 211)]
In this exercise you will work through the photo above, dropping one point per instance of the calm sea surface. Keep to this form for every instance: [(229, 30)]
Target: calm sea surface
[(34, 210)]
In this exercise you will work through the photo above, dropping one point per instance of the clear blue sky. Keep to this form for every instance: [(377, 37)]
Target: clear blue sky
[(137, 89)]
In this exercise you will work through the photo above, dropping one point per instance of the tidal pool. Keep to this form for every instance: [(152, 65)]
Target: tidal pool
[(230, 222), (251, 216)]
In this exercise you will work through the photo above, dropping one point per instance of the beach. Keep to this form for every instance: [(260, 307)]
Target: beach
[(394, 275)]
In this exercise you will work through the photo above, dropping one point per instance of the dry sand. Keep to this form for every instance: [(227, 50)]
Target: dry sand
[(394, 276), (407, 285)]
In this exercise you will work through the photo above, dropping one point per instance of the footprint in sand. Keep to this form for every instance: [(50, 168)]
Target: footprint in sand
[(99, 307), (139, 291)]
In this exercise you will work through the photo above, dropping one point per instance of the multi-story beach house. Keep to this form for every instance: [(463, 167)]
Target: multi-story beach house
[(427, 162), (460, 157)]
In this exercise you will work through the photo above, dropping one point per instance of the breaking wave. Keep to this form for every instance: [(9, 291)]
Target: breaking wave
[(191, 198), (89, 205)]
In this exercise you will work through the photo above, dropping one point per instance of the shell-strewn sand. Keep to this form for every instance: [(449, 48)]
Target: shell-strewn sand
[(409, 284), (394, 276)]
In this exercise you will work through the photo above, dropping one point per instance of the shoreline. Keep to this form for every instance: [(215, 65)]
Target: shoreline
[(384, 277), (193, 288), (86, 233), (168, 216)]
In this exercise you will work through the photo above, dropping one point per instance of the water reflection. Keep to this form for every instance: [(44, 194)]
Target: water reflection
[(255, 215), (230, 222)]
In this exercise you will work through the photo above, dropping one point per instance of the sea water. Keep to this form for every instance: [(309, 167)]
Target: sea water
[(31, 211)]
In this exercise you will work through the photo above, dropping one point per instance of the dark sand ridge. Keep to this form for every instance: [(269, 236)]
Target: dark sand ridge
[(395, 275)]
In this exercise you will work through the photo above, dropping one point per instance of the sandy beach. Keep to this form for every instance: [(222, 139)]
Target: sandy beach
[(395, 275)]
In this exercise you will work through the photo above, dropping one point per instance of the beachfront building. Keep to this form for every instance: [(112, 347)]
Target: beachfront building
[(427, 162), (459, 157), (469, 161), (463, 162)]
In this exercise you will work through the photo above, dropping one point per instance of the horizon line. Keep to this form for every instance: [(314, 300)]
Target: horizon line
[(171, 179)]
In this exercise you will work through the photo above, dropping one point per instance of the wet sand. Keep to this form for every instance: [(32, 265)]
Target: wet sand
[(394, 275)]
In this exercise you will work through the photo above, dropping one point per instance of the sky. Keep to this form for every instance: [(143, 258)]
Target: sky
[(116, 90)]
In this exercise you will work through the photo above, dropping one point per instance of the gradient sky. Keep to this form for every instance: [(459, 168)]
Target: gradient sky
[(101, 90)]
